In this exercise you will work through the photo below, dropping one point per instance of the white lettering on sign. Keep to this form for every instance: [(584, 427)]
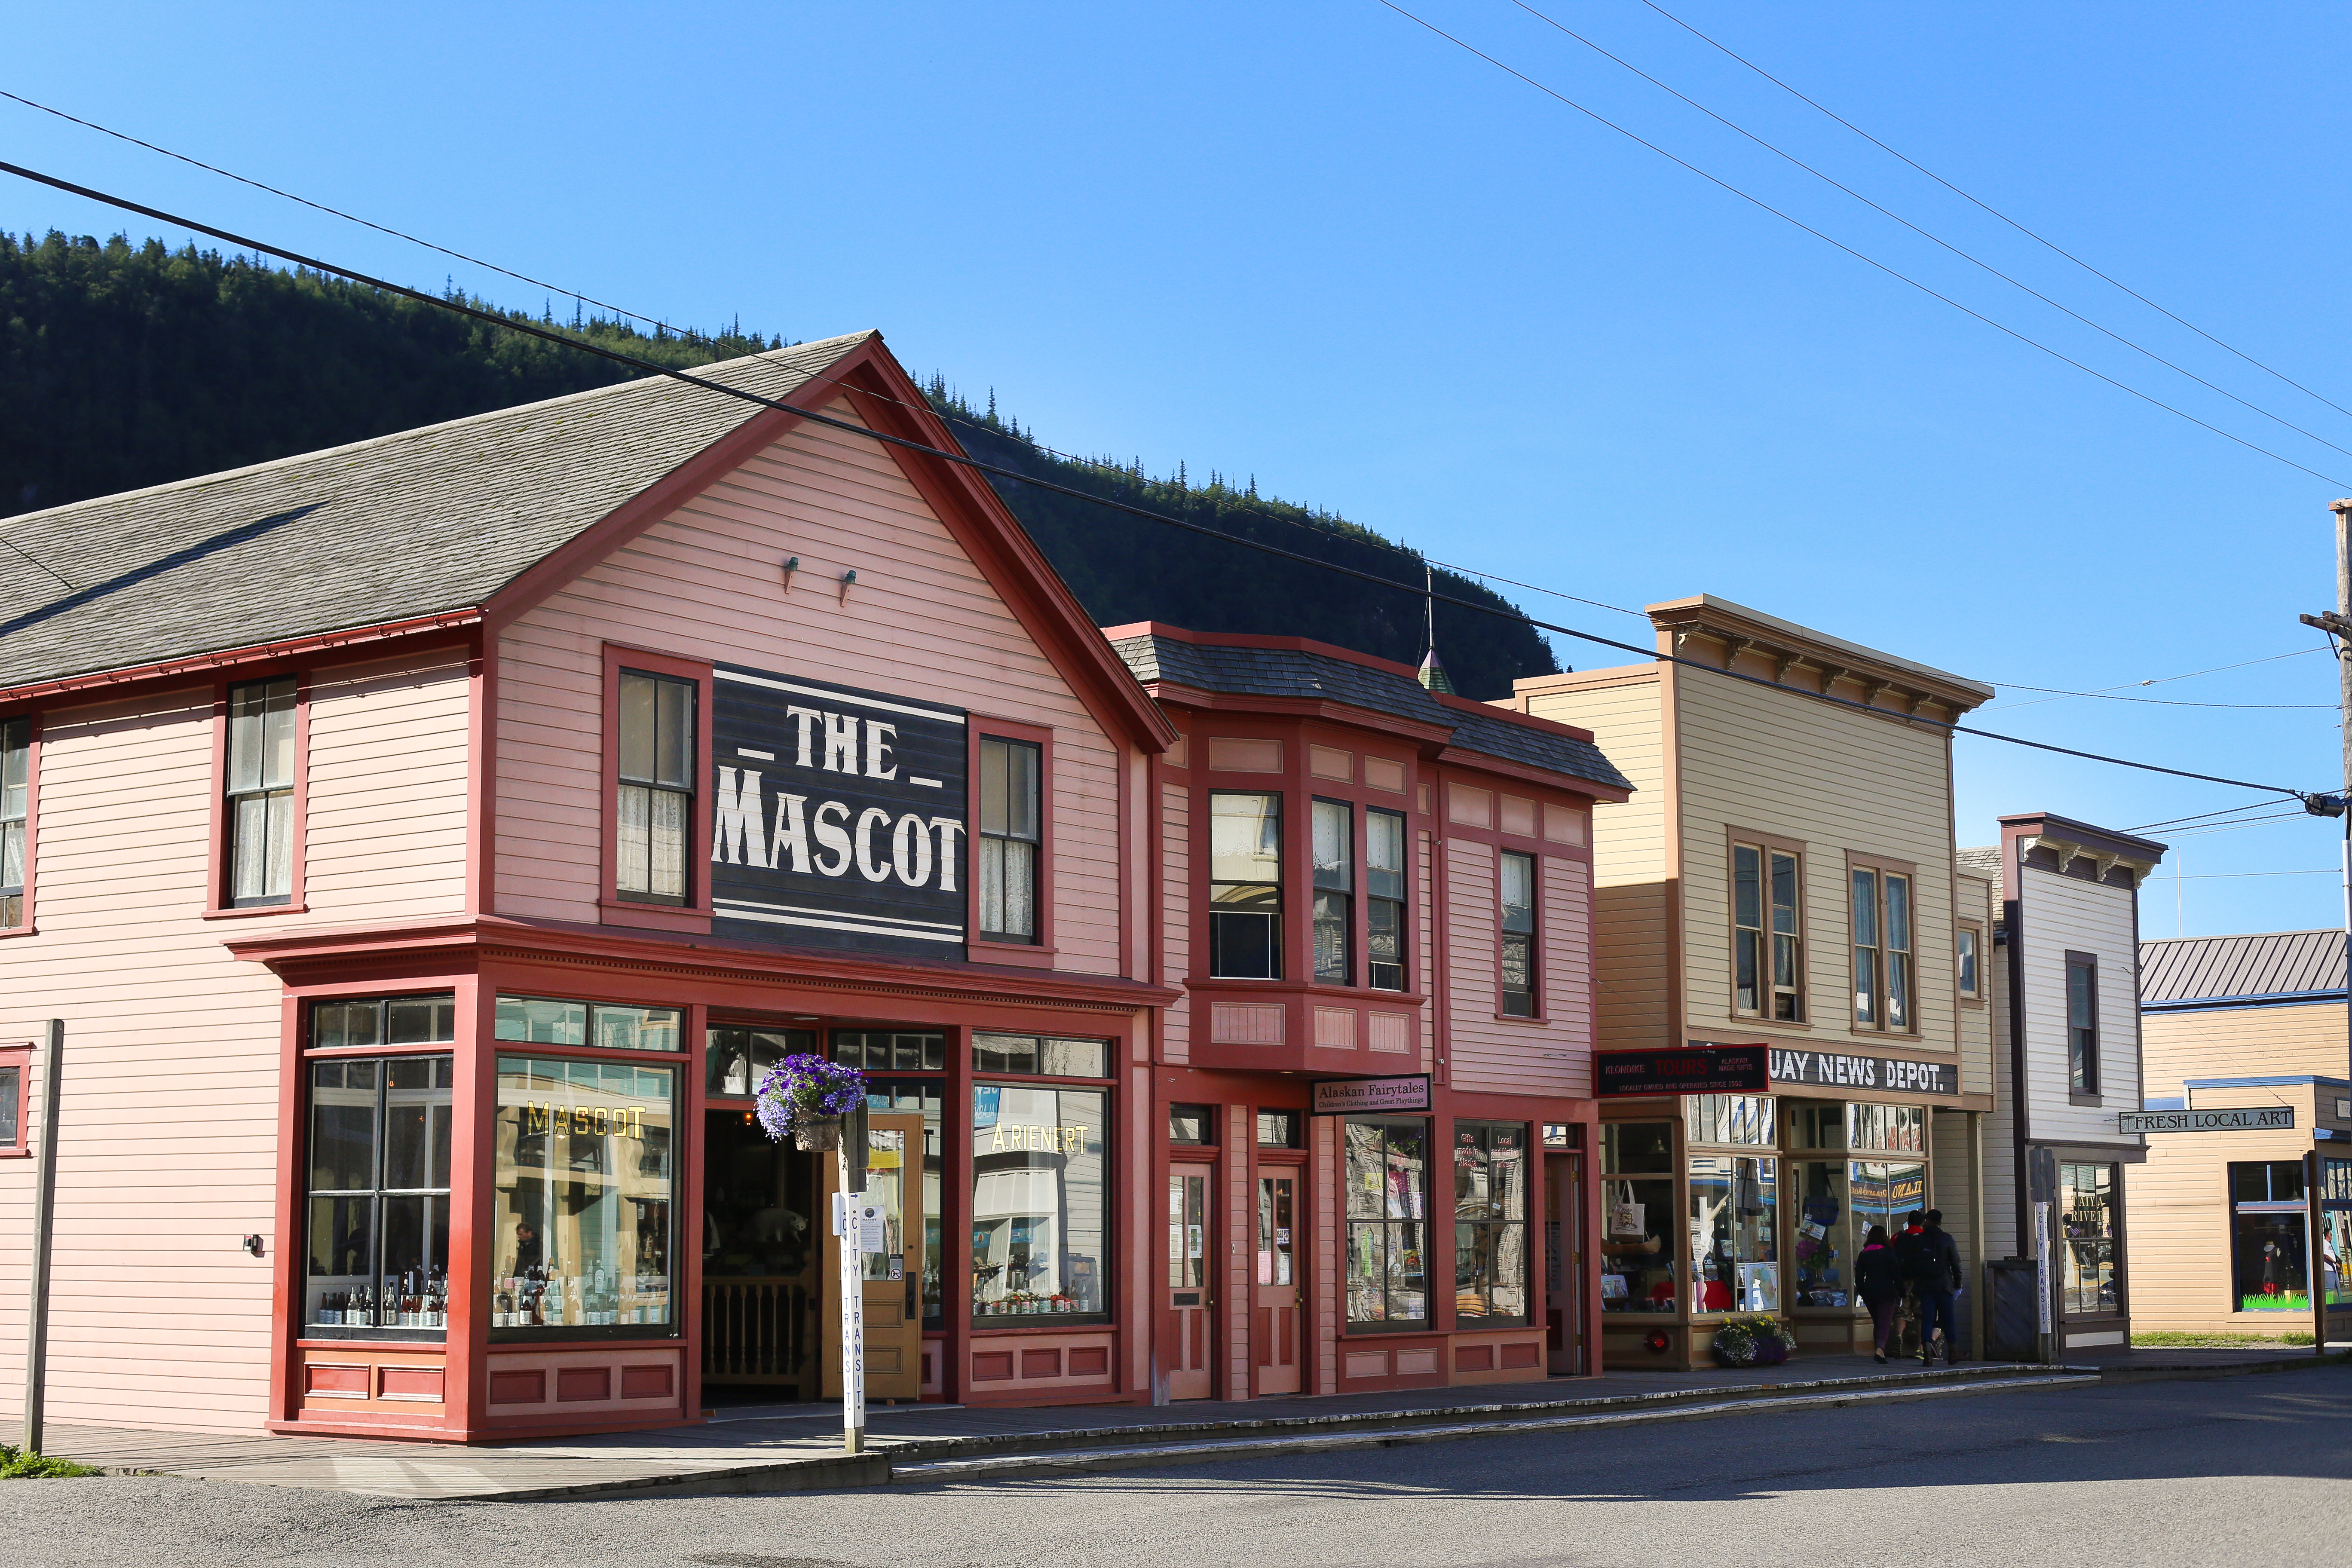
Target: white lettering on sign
[(2257, 1119), (881, 845)]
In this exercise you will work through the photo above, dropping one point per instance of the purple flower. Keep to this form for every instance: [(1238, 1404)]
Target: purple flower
[(805, 1087)]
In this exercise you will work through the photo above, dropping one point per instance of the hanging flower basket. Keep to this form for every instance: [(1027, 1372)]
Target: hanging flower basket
[(807, 1096), (1757, 1340)]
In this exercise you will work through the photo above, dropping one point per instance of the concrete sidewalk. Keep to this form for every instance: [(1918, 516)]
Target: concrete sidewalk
[(795, 1448)]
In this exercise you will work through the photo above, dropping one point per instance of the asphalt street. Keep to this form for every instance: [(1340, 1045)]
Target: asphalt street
[(2227, 1471)]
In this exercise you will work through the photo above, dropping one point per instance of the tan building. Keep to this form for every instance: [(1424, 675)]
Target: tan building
[(2220, 1238), (1783, 875)]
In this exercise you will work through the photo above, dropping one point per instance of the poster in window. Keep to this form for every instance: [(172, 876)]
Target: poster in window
[(837, 817)]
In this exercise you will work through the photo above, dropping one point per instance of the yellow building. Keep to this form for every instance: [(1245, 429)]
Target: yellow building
[(2219, 1233), (1783, 877)]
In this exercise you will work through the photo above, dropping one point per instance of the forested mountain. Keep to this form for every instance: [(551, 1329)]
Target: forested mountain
[(124, 366)]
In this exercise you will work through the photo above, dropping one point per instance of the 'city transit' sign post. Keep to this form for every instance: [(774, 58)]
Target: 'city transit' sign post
[(2253, 1119)]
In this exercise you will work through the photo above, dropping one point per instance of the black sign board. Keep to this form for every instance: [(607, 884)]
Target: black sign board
[(837, 817), (1830, 1070), (1697, 1068)]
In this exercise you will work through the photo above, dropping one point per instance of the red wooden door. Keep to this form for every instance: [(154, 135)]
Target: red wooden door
[(1275, 1329), (1185, 1319)]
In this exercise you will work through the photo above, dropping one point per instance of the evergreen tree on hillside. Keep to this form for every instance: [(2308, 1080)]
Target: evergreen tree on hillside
[(124, 366)]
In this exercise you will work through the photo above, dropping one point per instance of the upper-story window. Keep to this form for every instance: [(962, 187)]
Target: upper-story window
[(1768, 933), (261, 793), (16, 806), (1966, 958), (1008, 840), (1335, 886), (656, 827), (1384, 893), (1881, 951), (1519, 911), (2083, 1023), (1245, 885)]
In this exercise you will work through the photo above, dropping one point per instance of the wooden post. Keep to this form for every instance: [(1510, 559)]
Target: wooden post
[(45, 1203), (2314, 1265)]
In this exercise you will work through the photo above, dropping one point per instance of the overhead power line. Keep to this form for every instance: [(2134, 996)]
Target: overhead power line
[(2039, 239), (531, 329), (1793, 222)]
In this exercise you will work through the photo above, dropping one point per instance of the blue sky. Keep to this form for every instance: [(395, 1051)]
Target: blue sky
[(1319, 243)]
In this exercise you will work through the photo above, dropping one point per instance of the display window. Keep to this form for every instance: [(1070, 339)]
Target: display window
[(1746, 1120), (582, 1227), (1490, 1224), (543, 1021), (1836, 1203), (736, 1059), (1638, 1252), (2090, 1283), (378, 1168), (1040, 1204), (1734, 1227), (2335, 1228), (1385, 1173), (2269, 1266)]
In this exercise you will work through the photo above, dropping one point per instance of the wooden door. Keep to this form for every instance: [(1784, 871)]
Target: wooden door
[(894, 1321), (1185, 1319), (1564, 1265), (1274, 1301)]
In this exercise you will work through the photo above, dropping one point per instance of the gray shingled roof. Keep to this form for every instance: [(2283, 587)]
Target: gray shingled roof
[(410, 524), (1984, 859), (1285, 672), (2274, 964)]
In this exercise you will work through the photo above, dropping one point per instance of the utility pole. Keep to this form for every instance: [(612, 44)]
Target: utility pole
[(2337, 624)]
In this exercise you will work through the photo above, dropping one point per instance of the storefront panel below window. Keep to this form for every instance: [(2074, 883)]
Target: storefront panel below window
[(1734, 1227), (582, 1224), (1386, 1178), (1040, 1204)]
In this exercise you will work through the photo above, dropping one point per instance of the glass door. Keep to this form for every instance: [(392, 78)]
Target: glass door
[(1184, 1319), (894, 1322), (1276, 1299)]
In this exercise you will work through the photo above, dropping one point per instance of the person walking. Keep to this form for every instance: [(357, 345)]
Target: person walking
[(1878, 1279), (1932, 1263)]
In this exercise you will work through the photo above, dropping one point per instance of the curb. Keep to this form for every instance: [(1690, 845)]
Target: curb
[(2193, 1372)]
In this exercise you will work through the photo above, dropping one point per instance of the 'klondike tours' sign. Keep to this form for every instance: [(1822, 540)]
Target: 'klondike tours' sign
[(838, 817)]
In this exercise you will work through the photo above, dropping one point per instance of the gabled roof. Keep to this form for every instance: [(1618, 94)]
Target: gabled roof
[(1293, 667), (2272, 967), (404, 526)]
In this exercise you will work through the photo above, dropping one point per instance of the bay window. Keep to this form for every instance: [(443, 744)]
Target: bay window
[(1008, 838), (1245, 885), (1335, 881), (655, 829)]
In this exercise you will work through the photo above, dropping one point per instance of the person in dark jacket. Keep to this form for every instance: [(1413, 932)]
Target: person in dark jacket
[(1932, 1262), (1879, 1281)]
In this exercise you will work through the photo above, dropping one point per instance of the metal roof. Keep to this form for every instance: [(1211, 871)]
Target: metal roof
[(1294, 672), (2267, 966), (406, 525)]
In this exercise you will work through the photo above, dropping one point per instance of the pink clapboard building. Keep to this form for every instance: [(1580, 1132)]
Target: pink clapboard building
[(429, 844)]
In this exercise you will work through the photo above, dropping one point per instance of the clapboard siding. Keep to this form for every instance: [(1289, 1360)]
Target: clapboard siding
[(2059, 913), (2177, 1236), (704, 583), (1840, 781), (169, 1134), (1175, 915), (1498, 1055), (1632, 932), (2242, 1042)]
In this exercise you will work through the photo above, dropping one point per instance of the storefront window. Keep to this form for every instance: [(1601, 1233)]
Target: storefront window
[(737, 1060), (1039, 1202), (1192, 1123), (2087, 1207), (2336, 1228), (2266, 1236), (1040, 1056), (891, 1050), (1824, 1244), (1386, 1174), (1637, 1236), (1816, 1124), (1900, 1129), (1885, 1192), (379, 1194), (1490, 1224), (581, 1221), (1734, 1214), (539, 1021), (922, 1096), (1742, 1119)]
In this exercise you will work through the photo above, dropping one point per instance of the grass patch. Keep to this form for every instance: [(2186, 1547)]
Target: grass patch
[(2179, 1338), (17, 1465)]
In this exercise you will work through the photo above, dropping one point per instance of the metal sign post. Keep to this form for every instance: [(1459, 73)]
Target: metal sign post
[(847, 1205), (45, 1203), (2315, 1169), (2041, 1278)]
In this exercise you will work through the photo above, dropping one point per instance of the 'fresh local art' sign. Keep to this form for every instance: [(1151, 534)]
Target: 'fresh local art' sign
[(838, 817), (2255, 1119)]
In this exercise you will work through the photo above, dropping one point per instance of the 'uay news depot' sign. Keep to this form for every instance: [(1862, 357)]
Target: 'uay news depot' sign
[(838, 817)]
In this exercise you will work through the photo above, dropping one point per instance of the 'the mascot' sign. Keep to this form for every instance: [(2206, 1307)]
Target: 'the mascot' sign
[(838, 818)]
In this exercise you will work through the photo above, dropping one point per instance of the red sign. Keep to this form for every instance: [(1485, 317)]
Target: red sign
[(1694, 1069)]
